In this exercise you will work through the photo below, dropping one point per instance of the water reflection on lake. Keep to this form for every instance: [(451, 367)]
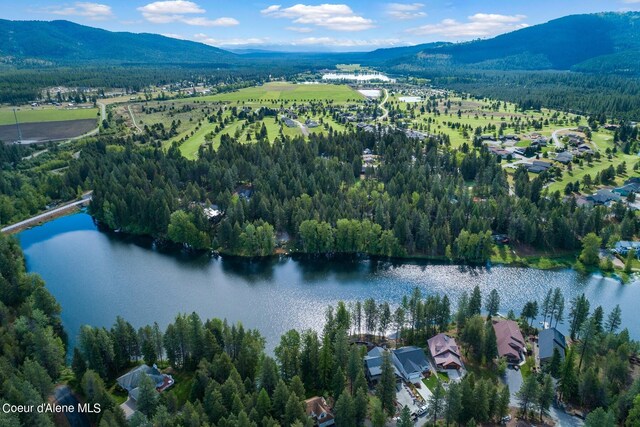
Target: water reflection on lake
[(96, 276)]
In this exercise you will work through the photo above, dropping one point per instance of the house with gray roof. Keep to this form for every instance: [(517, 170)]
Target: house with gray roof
[(373, 364), (624, 246), (548, 340), (627, 189), (131, 380), (564, 157), (604, 197), (411, 362)]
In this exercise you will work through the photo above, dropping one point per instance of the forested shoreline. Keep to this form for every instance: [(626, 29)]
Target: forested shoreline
[(224, 377), (424, 199)]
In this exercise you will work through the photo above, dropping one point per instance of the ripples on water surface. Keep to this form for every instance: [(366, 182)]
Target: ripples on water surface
[(96, 276)]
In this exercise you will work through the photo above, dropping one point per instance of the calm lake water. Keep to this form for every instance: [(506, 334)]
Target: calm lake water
[(96, 276)]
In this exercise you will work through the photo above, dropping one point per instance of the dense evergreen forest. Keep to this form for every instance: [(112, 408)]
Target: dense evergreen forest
[(617, 97), (33, 340), (423, 199)]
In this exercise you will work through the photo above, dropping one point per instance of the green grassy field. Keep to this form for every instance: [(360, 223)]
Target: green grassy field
[(27, 115), (288, 92)]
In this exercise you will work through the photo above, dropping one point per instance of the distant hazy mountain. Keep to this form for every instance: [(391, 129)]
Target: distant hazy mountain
[(61, 42), (604, 42)]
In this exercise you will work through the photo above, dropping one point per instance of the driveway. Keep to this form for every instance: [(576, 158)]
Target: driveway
[(64, 396), (129, 408), (513, 379)]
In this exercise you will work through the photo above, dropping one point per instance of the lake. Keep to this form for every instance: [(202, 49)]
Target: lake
[(96, 276), (358, 77)]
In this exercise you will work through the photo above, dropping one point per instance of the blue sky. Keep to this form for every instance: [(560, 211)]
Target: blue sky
[(349, 25)]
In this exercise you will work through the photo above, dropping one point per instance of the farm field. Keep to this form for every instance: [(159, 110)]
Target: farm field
[(277, 91), (46, 114), (47, 131)]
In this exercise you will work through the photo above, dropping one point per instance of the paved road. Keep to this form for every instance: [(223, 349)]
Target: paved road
[(384, 101), (514, 380), (303, 128), (64, 396), (38, 218), (556, 140)]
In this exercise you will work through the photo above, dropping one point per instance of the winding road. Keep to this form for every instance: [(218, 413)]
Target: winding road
[(133, 118), (556, 140), (381, 105)]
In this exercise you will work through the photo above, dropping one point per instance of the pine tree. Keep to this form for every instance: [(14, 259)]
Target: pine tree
[(360, 406), (556, 363), (405, 418), (344, 410), (338, 383), (453, 403), (437, 402), (545, 396), (528, 394), (294, 410), (378, 415), (147, 396), (386, 390)]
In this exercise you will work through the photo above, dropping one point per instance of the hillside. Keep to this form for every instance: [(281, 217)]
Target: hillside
[(605, 42), (64, 42)]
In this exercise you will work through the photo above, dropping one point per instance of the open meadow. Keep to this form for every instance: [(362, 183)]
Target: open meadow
[(28, 114), (282, 91)]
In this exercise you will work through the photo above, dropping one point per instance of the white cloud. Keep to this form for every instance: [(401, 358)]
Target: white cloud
[(300, 29), (169, 11), (174, 36), (337, 17), (204, 38), (478, 25), (405, 11), (330, 41), (206, 22), (93, 11)]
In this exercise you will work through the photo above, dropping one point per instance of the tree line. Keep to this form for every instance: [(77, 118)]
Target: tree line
[(422, 199)]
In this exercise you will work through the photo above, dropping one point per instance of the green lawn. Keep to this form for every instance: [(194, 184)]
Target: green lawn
[(281, 91), (596, 166), (40, 114), (433, 380), (527, 367), (182, 386)]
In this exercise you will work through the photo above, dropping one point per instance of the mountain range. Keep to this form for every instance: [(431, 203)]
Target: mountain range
[(64, 42), (602, 43)]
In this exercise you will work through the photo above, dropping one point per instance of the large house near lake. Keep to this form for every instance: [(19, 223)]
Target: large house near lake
[(445, 353), (548, 340), (131, 380), (624, 246), (409, 363), (510, 341)]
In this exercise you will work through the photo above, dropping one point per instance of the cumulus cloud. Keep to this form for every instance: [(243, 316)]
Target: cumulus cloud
[(93, 11), (330, 41), (169, 11), (249, 41), (337, 17), (478, 25), (405, 11), (300, 29)]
